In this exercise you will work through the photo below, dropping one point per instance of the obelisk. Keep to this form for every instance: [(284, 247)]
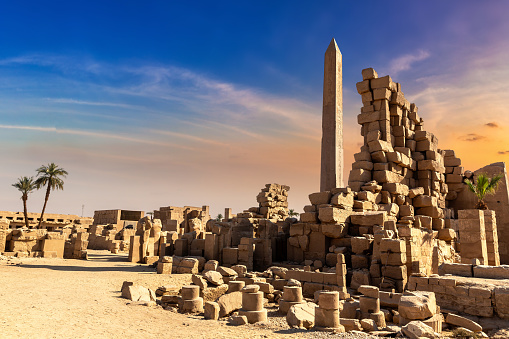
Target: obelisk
[(331, 175)]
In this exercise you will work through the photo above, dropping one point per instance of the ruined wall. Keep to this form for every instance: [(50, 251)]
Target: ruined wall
[(50, 220), (499, 202), (182, 219)]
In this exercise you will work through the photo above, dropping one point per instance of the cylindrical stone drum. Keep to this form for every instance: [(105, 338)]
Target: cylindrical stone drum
[(234, 286), (326, 318), (292, 293), (190, 292), (193, 306), (329, 300), (254, 316), (252, 301)]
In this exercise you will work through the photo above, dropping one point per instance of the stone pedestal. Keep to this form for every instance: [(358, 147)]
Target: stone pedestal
[(472, 234), (292, 295), (327, 312), (191, 300), (252, 307), (490, 227)]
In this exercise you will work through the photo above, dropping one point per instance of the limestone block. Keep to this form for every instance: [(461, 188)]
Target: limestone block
[(309, 217), (393, 245), (460, 321), (359, 278), (333, 230), (418, 305), (369, 73), (343, 200), (393, 259), (238, 320), (333, 215), (301, 315), (369, 325), (360, 175), (395, 272), (363, 86), (214, 277), (447, 234), (229, 303), (417, 330), (211, 310), (361, 244), (368, 218), (320, 198)]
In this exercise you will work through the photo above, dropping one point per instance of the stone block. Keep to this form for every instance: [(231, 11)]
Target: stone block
[(417, 305), (333, 215), (320, 198)]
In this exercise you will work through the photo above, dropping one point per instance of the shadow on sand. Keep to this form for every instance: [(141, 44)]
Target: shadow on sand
[(113, 259)]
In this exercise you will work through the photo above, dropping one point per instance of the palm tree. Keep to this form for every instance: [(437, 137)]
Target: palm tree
[(292, 213), (25, 185), (219, 217), (483, 187), (49, 175)]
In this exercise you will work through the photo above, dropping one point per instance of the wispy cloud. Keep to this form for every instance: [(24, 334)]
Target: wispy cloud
[(503, 152), (94, 135), (188, 137), (91, 103), (472, 137), (404, 62), (492, 124)]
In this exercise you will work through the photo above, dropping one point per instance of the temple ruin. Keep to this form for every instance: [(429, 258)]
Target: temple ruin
[(399, 249)]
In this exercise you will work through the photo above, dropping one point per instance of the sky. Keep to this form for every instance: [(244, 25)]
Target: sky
[(165, 103)]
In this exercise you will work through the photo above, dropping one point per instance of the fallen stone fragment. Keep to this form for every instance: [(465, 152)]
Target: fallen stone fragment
[(417, 329), (238, 320), (301, 315), (229, 303), (214, 277), (460, 321)]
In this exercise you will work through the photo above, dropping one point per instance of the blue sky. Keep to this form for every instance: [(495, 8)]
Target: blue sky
[(164, 103)]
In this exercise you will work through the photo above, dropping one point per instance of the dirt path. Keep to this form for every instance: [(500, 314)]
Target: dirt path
[(63, 298)]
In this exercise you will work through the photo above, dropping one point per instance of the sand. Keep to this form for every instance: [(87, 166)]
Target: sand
[(65, 298)]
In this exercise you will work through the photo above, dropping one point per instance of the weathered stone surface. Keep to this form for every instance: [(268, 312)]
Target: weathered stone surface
[(460, 321), (331, 175), (369, 291), (211, 310), (301, 315), (417, 330), (333, 215), (199, 281), (418, 305), (229, 303), (226, 272), (238, 320), (334, 230), (368, 218), (214, 277)]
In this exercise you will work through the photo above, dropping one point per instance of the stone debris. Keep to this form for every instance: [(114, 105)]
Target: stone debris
[(301, 315), (417, 329)]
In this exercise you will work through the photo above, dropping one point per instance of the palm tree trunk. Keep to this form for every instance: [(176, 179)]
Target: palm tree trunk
[(44, 206), (25, 211)]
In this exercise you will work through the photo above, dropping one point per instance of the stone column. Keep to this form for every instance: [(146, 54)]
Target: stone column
[(472, 236), (331, 175), (252, 304), (490, 226), (292, 295), (191, 300), (327, 312)]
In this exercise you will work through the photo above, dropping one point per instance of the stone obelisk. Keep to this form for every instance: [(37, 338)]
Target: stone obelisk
[(331, 175)]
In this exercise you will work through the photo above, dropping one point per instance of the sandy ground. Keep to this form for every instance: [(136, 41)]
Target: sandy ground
[(64, 298)]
